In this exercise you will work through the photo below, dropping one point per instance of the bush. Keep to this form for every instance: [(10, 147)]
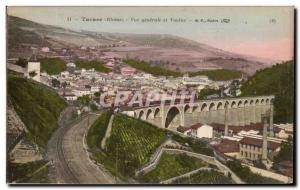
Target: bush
[(52, 66)]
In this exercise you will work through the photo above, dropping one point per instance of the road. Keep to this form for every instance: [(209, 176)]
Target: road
[(70, 161)]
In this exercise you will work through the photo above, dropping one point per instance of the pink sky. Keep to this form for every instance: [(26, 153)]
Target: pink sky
[(279, 49)]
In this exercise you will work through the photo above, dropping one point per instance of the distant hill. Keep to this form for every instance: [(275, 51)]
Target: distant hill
[(277, 80), (168, 51), (37, 106)]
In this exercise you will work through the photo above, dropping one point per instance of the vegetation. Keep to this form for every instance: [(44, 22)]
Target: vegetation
[(38, 107), (52, 66), (172, 165), (286, 151), (27, 173), (205, 177), (98, 66), (130, 145), (154, 70), (247, 175), (195, 145), (97, 131), (219, 74), (279, 81), (22, 62), (84, 100), (206, 92)]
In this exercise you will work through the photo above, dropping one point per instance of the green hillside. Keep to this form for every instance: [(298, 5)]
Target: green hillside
[(172, 165), (52, 66), (219, 74), (279, 81), (97, 131), (38, 107), (154, 70), (129, 147), (205, 177), (98, 66)]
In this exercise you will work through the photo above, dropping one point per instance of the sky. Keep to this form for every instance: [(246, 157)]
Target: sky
[(266, 32)]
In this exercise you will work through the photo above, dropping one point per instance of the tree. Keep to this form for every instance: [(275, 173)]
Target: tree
[(21, 62), (84, 100), (286, 151), (97, 94), (32, 74), (55, 83)]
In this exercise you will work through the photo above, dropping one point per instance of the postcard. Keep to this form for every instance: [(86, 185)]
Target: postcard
[(150, 95)]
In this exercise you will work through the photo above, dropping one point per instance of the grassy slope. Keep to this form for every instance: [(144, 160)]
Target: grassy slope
[(52, 66), (246, 175), (97, 130), (172, 165), (98, 66), (196, 145), (205, 177), (38, 107), (155, 70), (22, 172), (130, 146), (216, 75), (277, 80), (219, 74)]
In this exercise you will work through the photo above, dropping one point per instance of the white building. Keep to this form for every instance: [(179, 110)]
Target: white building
[(33, 70), (202, 131), (45, 49)]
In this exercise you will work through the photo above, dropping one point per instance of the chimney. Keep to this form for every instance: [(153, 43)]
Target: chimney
[(226, 123), (271, 130), (265, 142)]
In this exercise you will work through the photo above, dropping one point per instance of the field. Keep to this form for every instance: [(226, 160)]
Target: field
[(205, 177), (38, 107), (130, 146), (52, 66), (172, 165), (98, 66)]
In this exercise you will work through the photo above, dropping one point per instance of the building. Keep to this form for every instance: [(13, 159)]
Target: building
[(184, 130), (228, 148), (45, 49), (127, 71), (252, 148), (70, 96), (283, 131), (200, 130)]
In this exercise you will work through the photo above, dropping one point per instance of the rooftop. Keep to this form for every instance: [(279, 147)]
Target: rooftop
[(227, 146), (259, 142)]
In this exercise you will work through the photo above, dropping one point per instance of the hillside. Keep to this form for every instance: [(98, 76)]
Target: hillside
[(130, 145), (176, 53), (98, 66), (219, 74), (154, 70), (277, 80), (37, 106)]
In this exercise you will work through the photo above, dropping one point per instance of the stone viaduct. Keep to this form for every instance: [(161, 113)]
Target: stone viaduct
[(239, 111)]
